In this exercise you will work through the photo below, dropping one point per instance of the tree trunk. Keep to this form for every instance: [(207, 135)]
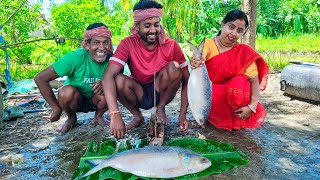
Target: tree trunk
[(250, 8), (194, 17)]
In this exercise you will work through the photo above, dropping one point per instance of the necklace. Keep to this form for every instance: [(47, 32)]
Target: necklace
[(219, 40)]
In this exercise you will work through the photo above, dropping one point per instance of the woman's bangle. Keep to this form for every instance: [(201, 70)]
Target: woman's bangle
[(114, 112), (251, 108)]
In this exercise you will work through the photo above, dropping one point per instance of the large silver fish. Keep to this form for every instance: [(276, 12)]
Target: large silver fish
[(154, 162), (199, 89)]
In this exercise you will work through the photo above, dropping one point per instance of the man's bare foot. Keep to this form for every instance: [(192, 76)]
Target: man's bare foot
[(135, 122), (101, 121), (69, 124), (161, 116)]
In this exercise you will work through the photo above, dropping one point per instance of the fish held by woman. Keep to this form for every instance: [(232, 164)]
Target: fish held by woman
[(153, 162), (199, 89)]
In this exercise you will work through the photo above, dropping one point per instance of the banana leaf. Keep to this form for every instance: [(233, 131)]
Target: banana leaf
[(222, 156)]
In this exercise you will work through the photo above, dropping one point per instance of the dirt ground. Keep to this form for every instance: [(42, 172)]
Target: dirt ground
[(287, 146)]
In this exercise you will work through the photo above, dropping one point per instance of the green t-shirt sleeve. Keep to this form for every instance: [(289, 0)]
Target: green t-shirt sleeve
[(67, 64)]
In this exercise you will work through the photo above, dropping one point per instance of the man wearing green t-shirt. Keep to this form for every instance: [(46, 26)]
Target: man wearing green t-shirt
[(84, 68)]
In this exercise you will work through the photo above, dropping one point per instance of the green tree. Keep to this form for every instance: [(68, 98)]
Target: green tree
[(280, 17), (18, 25)]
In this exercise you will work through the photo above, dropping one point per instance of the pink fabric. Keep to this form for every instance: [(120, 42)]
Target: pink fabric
[(99, 31), (143, 62), (143, 14)]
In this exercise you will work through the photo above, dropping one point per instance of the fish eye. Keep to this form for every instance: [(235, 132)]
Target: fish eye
[(203, 160)]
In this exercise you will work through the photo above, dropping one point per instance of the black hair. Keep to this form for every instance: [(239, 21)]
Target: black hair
[(146, 4), (234, 15), (95, 25)]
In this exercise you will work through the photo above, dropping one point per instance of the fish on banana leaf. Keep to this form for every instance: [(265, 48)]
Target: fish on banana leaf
[(153, 162)]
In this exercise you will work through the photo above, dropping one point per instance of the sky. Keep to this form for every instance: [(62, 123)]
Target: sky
[(46, 5)]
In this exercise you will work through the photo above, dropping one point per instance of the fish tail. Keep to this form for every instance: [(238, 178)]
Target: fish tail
[(96, 167), (91, 171)]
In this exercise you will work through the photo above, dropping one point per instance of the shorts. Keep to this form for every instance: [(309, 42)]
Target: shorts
[(147, 99), (86, 105)]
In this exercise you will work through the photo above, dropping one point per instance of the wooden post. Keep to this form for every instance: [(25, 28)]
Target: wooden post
[(250, 8)]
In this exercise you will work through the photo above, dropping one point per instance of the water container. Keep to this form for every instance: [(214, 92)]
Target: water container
[(302, 81)]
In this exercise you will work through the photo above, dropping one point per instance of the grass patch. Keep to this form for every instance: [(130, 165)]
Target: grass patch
[(304, 43), (279, 51), (278, 60)]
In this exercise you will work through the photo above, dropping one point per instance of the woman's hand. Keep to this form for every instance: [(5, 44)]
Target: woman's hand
[(243, 112), (196, 62)]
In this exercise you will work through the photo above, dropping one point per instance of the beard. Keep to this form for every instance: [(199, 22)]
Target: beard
[(97, 57), (100, 60), (149, 38)]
